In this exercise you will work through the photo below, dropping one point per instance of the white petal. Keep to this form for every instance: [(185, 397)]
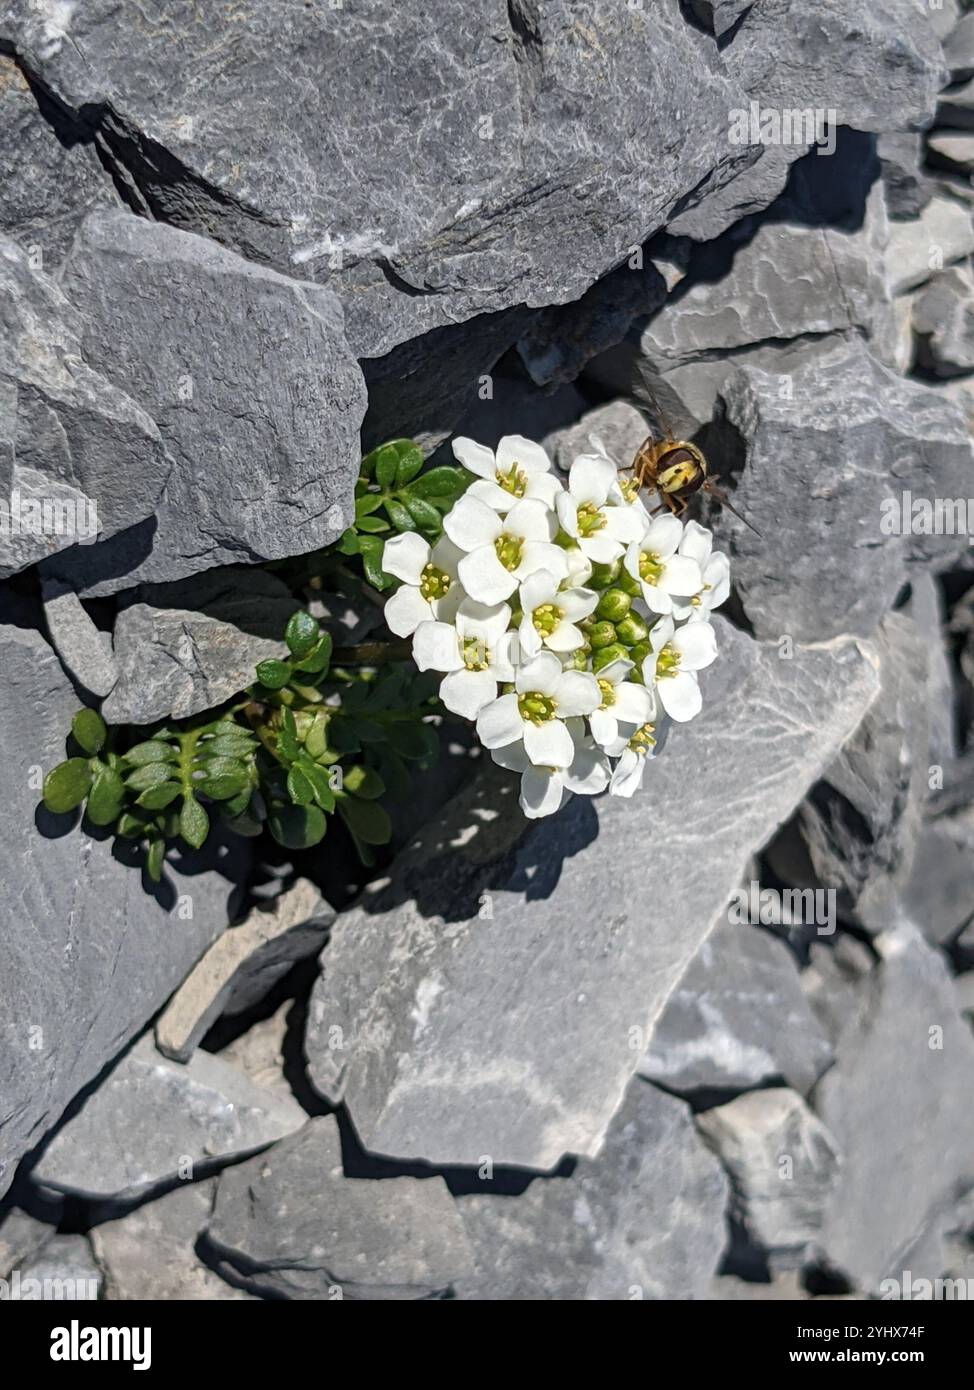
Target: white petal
[(604, 726), (542, 792), (660, 633), (567, 509), (542, 674), (663, 536), (680, 696), (655, 598), (543, 487), (579, 565), (634, 703), (485, 578), (477, 458), (697, 542), (536, 589), (529, 457), (565, 638), (530, 520), (529, 638), (405, 610), (577, 603), (505, 656), (512, 756), (616, 671), (468, 692), (628, 775), (549, 744), (717, 574), (499, 723), (590, 479), (446, 556), (697, 645), (471, 524), (541, 555), (406, 557), (435, 647), (624, 524), (601, 549), (681, 575), (492, 495), (484, 621), (589, 772), (577, 693)]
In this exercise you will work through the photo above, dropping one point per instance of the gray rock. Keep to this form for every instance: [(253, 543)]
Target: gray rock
[(783, 1165), (290, 1223), (85, 652), (186, 647), (908, 190), (737, 1019), (878, 68), (834, 983), (943, 317), (751, 191), (404, 1020), (942, 14), (71, 442), (259, 1052), (964, 993), (148, 1254), (959, 49), (720, 15), (620, 426), (832, 448), (152, 1120), (956, 108), (22, 1236), (242, 966), (952, 150), (939, 895), (521, 134), (894, 1103), (64, 1268), (50, 174), (259, 403), (89, 954), (942, 233), (643, 1220), (926, 608), (861, 822)]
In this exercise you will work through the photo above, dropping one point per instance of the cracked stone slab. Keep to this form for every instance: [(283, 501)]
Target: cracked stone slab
[(243, 965), (151, 1119), (643, 1220), (902, 1161), (89, 955), (251, 382), (71, 440), (552, 918), (524, 133), (85, 651), (186, 647), (290, 1223), (831, 447), (737, 1019), (943, 317), (783, 1165), (917, 249)]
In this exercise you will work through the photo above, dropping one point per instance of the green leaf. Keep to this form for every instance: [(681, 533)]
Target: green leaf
[(441, 483), (412, 740), (316, 739), (132, 825), (219, 767), (90, 730), (371, 548), (423, 513), (299, 787), (301, 634), (297, 827), (224, 785), (152, 751), (399, 516), (366, 819), (373, 525), (287, 736), (364, 782), (273, 673), (365, 505), (386, 463), (410, 462), (158, 797), (149, 775), (194, 823), (155, 859), (320, 784), (319, 657), (67, 785), (226, 746), (348, 544), (105, 798)]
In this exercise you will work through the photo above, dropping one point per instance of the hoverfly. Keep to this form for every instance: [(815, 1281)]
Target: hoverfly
[(676, 469)]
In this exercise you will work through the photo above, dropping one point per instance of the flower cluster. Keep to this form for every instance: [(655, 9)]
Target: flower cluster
[(567, 620)]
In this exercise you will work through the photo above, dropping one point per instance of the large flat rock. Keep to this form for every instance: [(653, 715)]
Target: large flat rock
[(89, 955), (495, 996)]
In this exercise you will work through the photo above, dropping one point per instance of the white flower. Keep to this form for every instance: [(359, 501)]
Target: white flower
[(627, 775), (429, 581), (501, 551), (622, 702), (534, 713), (519, 468), (677, 654), (661, 570), (476, 652), (593, 512), (544, 790), (697, 543), (550, 614)]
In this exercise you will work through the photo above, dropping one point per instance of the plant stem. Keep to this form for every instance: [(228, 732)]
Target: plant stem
[(372, 653)]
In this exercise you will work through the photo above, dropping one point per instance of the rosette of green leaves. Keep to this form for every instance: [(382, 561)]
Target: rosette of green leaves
[(395, 494)]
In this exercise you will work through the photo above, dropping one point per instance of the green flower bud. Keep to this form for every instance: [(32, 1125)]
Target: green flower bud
[(632, 629), (614, 652), (604, 575), (630, 585), (614, 605), (601, 634), (638, 654)]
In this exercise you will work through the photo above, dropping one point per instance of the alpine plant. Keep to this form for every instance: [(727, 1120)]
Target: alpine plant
[(566, 621)]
